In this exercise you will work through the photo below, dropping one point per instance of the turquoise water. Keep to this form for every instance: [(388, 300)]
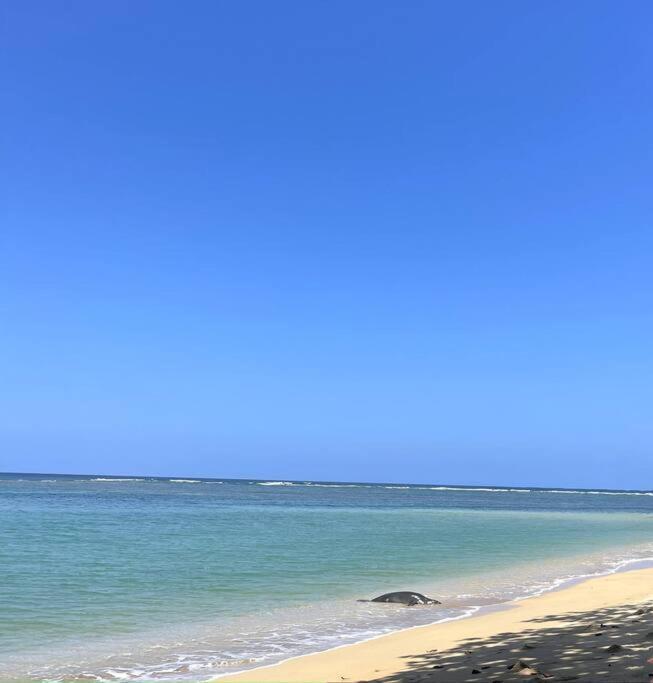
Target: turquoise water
[(133, 579)]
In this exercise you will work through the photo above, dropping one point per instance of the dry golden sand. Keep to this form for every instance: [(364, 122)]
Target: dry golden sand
[(598, 630)]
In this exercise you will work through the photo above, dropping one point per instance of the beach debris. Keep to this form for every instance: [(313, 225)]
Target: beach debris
[(615, 647), (522, 668), (519, 664), (408, 598), (644, 610)]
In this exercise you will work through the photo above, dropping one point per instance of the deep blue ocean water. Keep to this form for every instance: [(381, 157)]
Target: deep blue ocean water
[(146, 578)]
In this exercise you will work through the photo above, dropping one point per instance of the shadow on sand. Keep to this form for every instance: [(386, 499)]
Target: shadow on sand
[(602, 645)]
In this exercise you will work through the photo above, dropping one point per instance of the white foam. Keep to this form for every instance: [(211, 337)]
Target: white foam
[(362, 638), (337, 486), (600, 493), (276, 483), (114, 479), (472, 490), (313, 484), (466, 489)]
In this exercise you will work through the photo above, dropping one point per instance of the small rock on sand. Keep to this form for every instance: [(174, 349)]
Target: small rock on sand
[(522, 668), (516, 666), (615, 647)]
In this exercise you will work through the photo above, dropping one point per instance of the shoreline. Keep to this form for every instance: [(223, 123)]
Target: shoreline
[(384, 657)]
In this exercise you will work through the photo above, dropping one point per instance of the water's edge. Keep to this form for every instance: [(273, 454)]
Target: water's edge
[(473, 611)]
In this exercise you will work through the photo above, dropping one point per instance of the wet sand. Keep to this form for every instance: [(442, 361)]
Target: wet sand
[(597, 630)]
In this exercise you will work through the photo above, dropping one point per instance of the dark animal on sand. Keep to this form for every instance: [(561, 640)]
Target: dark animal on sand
[(408, 598)]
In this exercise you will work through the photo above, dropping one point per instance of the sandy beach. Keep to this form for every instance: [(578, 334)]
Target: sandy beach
[(599, 629)]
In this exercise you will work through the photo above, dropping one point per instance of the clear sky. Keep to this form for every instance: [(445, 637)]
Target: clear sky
[(370, 240)]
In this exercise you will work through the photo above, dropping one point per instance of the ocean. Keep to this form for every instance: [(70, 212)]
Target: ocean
[(141, 578)]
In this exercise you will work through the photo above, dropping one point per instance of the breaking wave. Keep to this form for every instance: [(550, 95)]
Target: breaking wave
[(275, 483), (114, 479)]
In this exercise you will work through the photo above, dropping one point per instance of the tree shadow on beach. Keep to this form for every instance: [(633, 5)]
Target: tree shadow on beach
[(610, 644)]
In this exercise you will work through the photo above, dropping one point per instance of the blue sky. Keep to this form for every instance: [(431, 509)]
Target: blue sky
[(377, 241)]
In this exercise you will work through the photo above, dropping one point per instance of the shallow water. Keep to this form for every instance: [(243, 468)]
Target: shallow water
[(185, 578)]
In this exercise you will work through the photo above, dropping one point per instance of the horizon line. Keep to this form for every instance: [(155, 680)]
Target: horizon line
[(322, 481)]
